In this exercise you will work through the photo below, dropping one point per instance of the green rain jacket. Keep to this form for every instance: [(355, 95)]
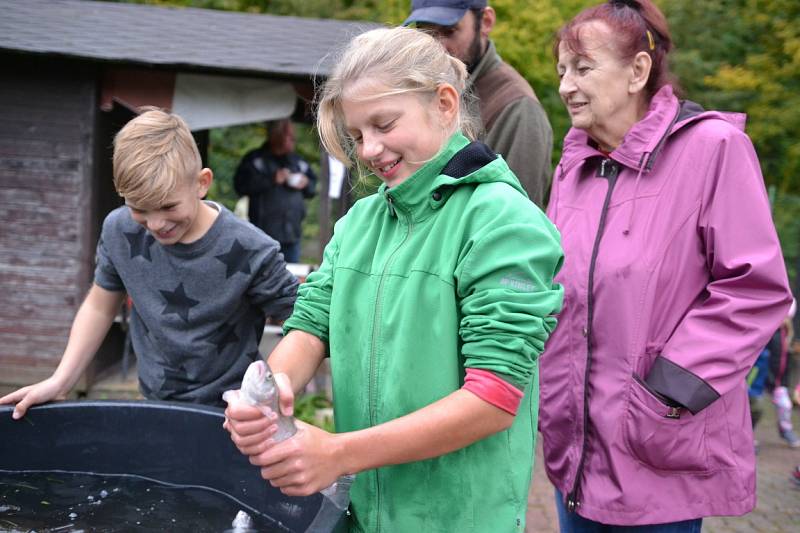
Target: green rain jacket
[(451, 269)]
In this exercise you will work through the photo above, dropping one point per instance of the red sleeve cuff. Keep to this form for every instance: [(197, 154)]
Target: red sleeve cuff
[(490, 388)]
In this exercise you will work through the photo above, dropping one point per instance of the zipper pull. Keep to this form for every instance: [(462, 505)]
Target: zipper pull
[(572, 503), (390, 201)]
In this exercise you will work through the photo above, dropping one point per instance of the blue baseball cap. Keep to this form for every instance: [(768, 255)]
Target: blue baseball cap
[(441, 12)]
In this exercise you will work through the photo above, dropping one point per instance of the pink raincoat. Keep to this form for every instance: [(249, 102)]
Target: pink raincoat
[(674, 281)]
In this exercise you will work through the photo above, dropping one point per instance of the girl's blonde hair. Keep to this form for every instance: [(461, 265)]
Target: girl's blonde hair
[(151, 154), (402, 59)]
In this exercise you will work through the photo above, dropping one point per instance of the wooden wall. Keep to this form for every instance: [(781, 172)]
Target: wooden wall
[(47, 209)]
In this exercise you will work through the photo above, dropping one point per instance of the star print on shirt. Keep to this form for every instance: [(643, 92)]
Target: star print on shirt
[(175, 381), (139, 245), (178, 303), (236, 260), (224, 336)]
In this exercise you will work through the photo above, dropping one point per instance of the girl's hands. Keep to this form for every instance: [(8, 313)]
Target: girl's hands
[(302, 465), (250, 427)]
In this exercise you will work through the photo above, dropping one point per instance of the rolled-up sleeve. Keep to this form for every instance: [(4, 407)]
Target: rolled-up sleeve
[(508, 298)]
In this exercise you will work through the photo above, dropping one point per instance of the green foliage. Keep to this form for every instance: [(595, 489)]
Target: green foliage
[(313, 409), (751, 65), (736, 55), (226, 148), (744, 55), (524, 36)]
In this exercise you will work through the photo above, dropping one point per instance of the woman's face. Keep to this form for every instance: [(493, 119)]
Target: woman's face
[(596, 86), (394, 134)]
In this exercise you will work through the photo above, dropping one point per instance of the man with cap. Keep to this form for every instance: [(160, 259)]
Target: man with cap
[(514, 122)]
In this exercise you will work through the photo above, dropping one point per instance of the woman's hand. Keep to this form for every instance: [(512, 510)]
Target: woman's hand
[(302, 465)]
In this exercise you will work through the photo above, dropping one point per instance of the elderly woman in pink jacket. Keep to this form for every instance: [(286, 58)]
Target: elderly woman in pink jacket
[(674, 281)]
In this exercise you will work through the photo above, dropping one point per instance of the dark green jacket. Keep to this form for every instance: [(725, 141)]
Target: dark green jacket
[(514, 122), (451, 269)]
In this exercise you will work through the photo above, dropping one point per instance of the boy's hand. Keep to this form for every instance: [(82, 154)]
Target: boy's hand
[(41, 392)]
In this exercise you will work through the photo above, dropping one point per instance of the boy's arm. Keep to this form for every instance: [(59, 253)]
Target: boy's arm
[(273, 288), (92, 322)]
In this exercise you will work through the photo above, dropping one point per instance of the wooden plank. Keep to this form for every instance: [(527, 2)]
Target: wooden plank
[(47, 161), (35, 328), (29, 229), (15, 376), (18, 147), (15, 257)]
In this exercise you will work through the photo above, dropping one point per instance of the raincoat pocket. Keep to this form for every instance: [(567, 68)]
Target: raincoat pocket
[(663, 437)]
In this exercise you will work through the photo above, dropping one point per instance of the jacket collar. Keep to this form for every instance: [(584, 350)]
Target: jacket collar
[(416, 192), (428, 188)]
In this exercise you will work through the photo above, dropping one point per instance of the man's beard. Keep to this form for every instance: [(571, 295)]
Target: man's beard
[(474, 53)]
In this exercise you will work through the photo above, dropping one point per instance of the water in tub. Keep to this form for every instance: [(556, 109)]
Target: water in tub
[(58, 502)]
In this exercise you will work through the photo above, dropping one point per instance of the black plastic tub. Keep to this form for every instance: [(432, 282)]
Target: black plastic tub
[(175, 443)]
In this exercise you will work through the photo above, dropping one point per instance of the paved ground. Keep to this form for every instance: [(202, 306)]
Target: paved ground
[(777, 510)]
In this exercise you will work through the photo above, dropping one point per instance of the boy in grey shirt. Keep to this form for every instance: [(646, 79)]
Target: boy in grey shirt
[(201, 280)]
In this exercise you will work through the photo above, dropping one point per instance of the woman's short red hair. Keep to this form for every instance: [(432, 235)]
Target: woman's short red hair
[(637, 26)]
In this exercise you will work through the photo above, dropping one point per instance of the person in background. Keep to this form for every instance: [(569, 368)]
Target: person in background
[(674, 281), (756, 382), (277, 182), (202, 281), (434, 298), (780, 370), (514, 122)]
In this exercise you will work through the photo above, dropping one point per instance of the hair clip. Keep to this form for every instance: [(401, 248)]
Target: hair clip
[(650, 40), (634, 4)]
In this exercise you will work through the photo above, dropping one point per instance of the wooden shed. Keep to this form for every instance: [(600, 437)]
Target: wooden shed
[(72, 73)]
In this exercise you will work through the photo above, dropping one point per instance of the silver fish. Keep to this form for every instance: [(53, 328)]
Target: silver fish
[(259, 388)]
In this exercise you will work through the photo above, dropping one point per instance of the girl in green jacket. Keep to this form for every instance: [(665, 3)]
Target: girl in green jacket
[(434, 299)]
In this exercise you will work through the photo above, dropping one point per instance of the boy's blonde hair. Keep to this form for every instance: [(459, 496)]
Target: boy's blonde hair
[(404, 60), (151, 153)]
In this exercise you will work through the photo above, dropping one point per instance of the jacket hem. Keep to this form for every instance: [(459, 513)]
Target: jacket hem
[(682, 511)]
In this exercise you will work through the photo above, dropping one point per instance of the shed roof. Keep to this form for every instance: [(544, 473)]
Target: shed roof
[(176, 38)]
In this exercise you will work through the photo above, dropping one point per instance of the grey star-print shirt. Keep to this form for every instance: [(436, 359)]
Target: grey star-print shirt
[(198, 309)]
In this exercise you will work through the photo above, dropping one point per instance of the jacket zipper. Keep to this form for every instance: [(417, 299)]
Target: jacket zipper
[(610, 167), (373, 381)]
